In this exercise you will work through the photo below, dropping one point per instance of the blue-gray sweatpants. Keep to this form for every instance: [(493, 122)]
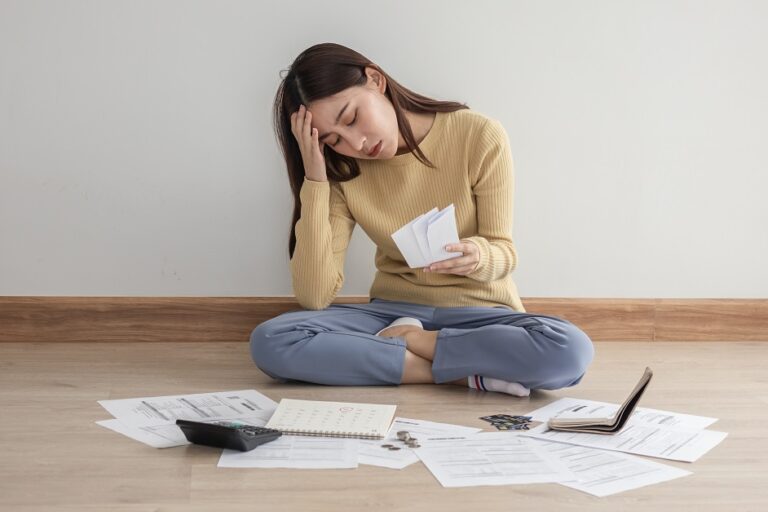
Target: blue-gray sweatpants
[(337, 345)]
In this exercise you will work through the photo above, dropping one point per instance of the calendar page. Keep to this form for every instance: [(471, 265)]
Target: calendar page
[(349, 419)]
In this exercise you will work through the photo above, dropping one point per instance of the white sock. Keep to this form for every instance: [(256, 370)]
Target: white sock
[(403, 320), (502, 386)]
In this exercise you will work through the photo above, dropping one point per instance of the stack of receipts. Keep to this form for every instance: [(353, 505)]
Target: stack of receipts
[(457, 456), (422, 241)]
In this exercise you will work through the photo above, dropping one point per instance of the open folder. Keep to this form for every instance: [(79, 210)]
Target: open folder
[(605, 425), (422, 241)]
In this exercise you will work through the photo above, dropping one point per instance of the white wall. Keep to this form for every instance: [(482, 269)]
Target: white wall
[(137, 157)]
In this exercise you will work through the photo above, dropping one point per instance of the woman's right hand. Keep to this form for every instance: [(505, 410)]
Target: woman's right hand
[(311, 148)]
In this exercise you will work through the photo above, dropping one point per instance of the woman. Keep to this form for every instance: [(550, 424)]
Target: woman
[(362, 149)]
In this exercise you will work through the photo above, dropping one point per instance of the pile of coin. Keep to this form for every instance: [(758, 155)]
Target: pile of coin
[(405, 437)]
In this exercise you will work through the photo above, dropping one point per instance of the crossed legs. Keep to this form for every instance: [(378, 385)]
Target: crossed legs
[(420, 351), (336, 346)]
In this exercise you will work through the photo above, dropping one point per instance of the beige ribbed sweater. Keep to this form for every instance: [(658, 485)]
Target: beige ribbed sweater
[(474, 171)]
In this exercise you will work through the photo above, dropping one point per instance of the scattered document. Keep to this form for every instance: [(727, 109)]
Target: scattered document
[(602, 473), (308, 452), (663, 442), (164, 436), (422, 241), (581, 408), (490, 458), (458, 456), (161, 436), (371, 452), (152, 420)]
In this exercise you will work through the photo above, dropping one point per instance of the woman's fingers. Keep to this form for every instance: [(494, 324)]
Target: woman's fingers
[(460, 264), (301, 126), (297, 121), (457, 261), (319, 145), (300, 122), (310, 134), (308, 125), (461, 269)]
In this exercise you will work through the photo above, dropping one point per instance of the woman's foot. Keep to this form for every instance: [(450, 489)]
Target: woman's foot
[(397, 330), (403, 320), (502, 386), (417, 340)]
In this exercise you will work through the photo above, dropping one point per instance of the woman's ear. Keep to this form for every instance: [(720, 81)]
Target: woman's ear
[(379, 81)]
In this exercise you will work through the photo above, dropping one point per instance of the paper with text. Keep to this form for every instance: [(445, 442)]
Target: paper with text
[(161, 410), (490, 458), (307, 452), (602, 473), (663, 442), (165, 436), (152, 420)]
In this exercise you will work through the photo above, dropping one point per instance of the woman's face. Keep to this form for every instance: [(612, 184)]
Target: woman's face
[(353, 121)]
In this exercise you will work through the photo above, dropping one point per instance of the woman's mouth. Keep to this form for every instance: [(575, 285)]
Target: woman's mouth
[(375, 150)]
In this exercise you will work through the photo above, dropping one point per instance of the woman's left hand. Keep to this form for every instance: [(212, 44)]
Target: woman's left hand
[(461, 265)]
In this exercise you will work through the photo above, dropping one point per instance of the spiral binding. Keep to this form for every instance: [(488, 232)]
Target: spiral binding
[(327, 433)]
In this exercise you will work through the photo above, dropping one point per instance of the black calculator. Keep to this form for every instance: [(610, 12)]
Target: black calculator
[(227, 434)]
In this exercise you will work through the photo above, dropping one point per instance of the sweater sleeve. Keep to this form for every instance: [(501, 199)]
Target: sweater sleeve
[(493, 189), (322, 233)]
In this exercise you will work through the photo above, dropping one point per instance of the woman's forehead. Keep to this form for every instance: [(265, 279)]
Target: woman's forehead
[(331, 104), (328, 112)]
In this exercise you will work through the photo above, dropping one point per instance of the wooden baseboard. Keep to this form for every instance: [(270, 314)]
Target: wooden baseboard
[(110, 319)]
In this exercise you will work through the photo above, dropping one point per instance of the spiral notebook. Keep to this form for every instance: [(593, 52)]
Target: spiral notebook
[(333, 419)]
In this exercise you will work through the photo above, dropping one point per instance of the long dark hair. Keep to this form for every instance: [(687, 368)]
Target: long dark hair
[(323, 70)]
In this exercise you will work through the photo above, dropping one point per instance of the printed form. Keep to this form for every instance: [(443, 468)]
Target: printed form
[(490, 458), (152, 420), (289, 451), (661, 442), (602, 473)]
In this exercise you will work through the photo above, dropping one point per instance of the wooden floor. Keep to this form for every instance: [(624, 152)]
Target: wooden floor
[(54, 457)]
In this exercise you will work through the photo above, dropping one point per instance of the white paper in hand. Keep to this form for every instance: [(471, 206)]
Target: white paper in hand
[(422, 241)]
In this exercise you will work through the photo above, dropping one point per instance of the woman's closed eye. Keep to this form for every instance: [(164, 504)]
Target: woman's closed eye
[(350, 124)]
